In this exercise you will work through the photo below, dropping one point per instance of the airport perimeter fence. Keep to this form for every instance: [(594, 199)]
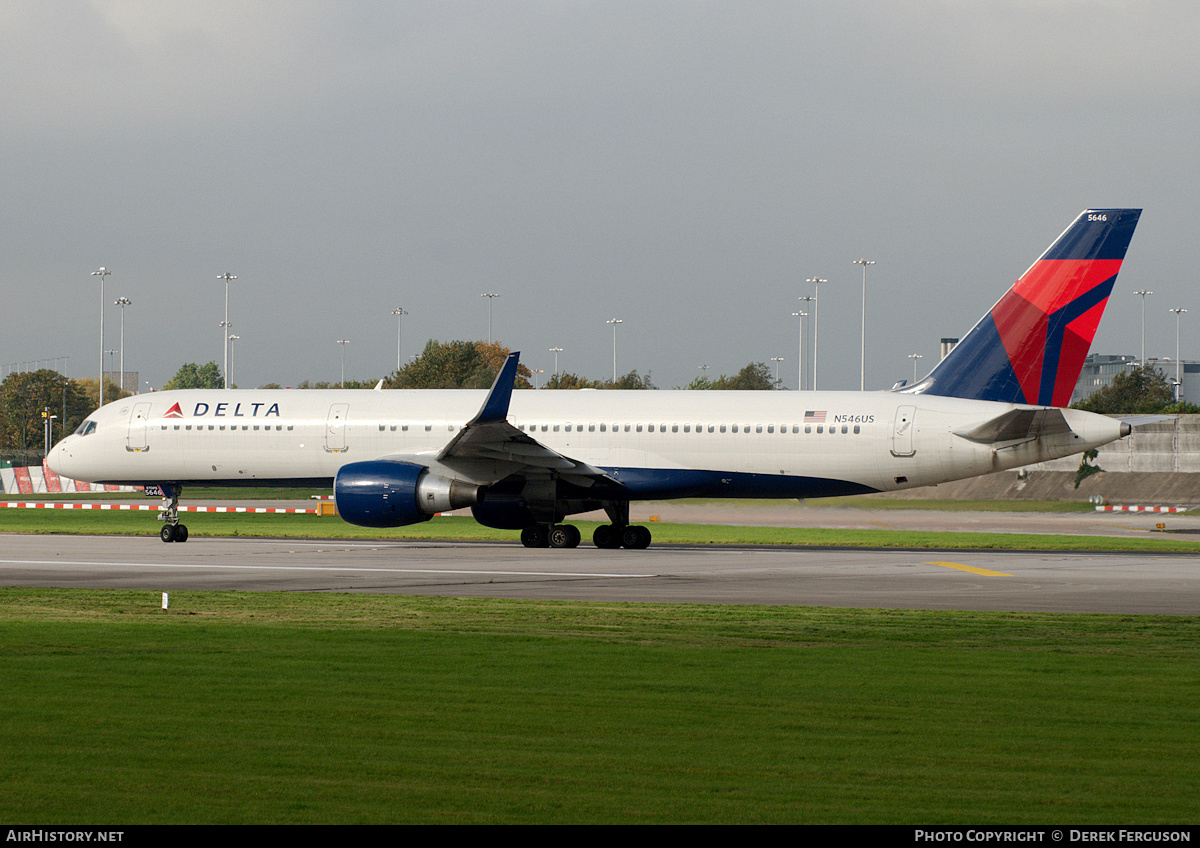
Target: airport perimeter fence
[(19, 458)]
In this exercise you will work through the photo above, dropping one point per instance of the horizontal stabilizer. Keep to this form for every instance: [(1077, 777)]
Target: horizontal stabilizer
[(1143, 420), (1017, 425)]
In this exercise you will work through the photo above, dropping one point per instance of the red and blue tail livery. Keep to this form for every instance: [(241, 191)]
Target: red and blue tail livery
[(1031, 346)]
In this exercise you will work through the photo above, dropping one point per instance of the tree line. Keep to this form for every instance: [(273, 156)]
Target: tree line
[(29, 398), (26, 396), (1142, 391)]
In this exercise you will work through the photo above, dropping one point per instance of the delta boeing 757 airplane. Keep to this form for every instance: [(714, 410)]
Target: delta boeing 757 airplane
[(525, 460)]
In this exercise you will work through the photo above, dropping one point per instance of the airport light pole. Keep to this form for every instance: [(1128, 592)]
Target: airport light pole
[(399, 313), (1178, 384), (614, 322), (1143, 294), (102, 273), (862, 378), (123, 302), (556, 351), (816, 281), (232, 339), (48, 429), (343, 343), (914, 357), (800, 348), (490, 296), (225, 326), (777, 360)]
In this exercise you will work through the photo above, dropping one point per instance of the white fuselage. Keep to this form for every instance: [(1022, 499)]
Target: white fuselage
[(755, 444)]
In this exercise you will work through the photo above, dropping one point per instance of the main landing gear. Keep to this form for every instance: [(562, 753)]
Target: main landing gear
[(550, 536), (172, 530), (609, 536), (630, 536)]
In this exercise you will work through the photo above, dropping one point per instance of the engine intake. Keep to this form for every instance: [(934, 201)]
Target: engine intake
[(386, 493)]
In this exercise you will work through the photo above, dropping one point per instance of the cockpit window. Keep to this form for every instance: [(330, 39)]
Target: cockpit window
[(86, 428)]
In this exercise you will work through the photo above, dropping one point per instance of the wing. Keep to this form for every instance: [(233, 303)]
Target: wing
[(489, 439)]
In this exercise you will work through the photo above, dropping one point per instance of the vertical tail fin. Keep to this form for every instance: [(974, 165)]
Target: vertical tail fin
[(1031, 345)]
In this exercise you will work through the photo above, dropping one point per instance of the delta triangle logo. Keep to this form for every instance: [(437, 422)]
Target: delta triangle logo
[(174, 412)]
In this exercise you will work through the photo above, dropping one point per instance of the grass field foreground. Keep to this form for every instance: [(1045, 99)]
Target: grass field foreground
[(113, 522), (293, 708)]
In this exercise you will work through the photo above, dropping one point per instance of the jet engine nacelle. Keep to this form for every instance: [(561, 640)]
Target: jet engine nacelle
[(503, 513), (385, 493)]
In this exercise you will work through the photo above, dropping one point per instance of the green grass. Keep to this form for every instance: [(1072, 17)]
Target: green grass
[(882, 502), (112, 522), (296, 708)]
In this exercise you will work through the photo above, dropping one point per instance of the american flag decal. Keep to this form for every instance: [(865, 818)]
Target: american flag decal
[(814, 416)]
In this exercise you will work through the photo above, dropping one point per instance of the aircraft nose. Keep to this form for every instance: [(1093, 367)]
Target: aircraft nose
[(59, 458)]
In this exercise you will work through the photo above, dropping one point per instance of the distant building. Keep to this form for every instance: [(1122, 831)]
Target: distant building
[(1099, 369), (131, 380)]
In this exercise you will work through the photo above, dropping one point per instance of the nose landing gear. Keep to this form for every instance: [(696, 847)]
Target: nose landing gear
[(172, 530)]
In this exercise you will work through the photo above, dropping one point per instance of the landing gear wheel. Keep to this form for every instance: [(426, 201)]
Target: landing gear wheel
[(564, 536), (606, 537), (167, 534), (181, 533), (535, 536), (635, 537)]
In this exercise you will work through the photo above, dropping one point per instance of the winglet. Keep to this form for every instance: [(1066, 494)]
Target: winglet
[(495, 406)]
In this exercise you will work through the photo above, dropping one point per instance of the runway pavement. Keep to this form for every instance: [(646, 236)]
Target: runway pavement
[(981, 580)]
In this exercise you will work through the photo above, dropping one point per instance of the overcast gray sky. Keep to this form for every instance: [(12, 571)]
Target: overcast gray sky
[(683, 166)]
